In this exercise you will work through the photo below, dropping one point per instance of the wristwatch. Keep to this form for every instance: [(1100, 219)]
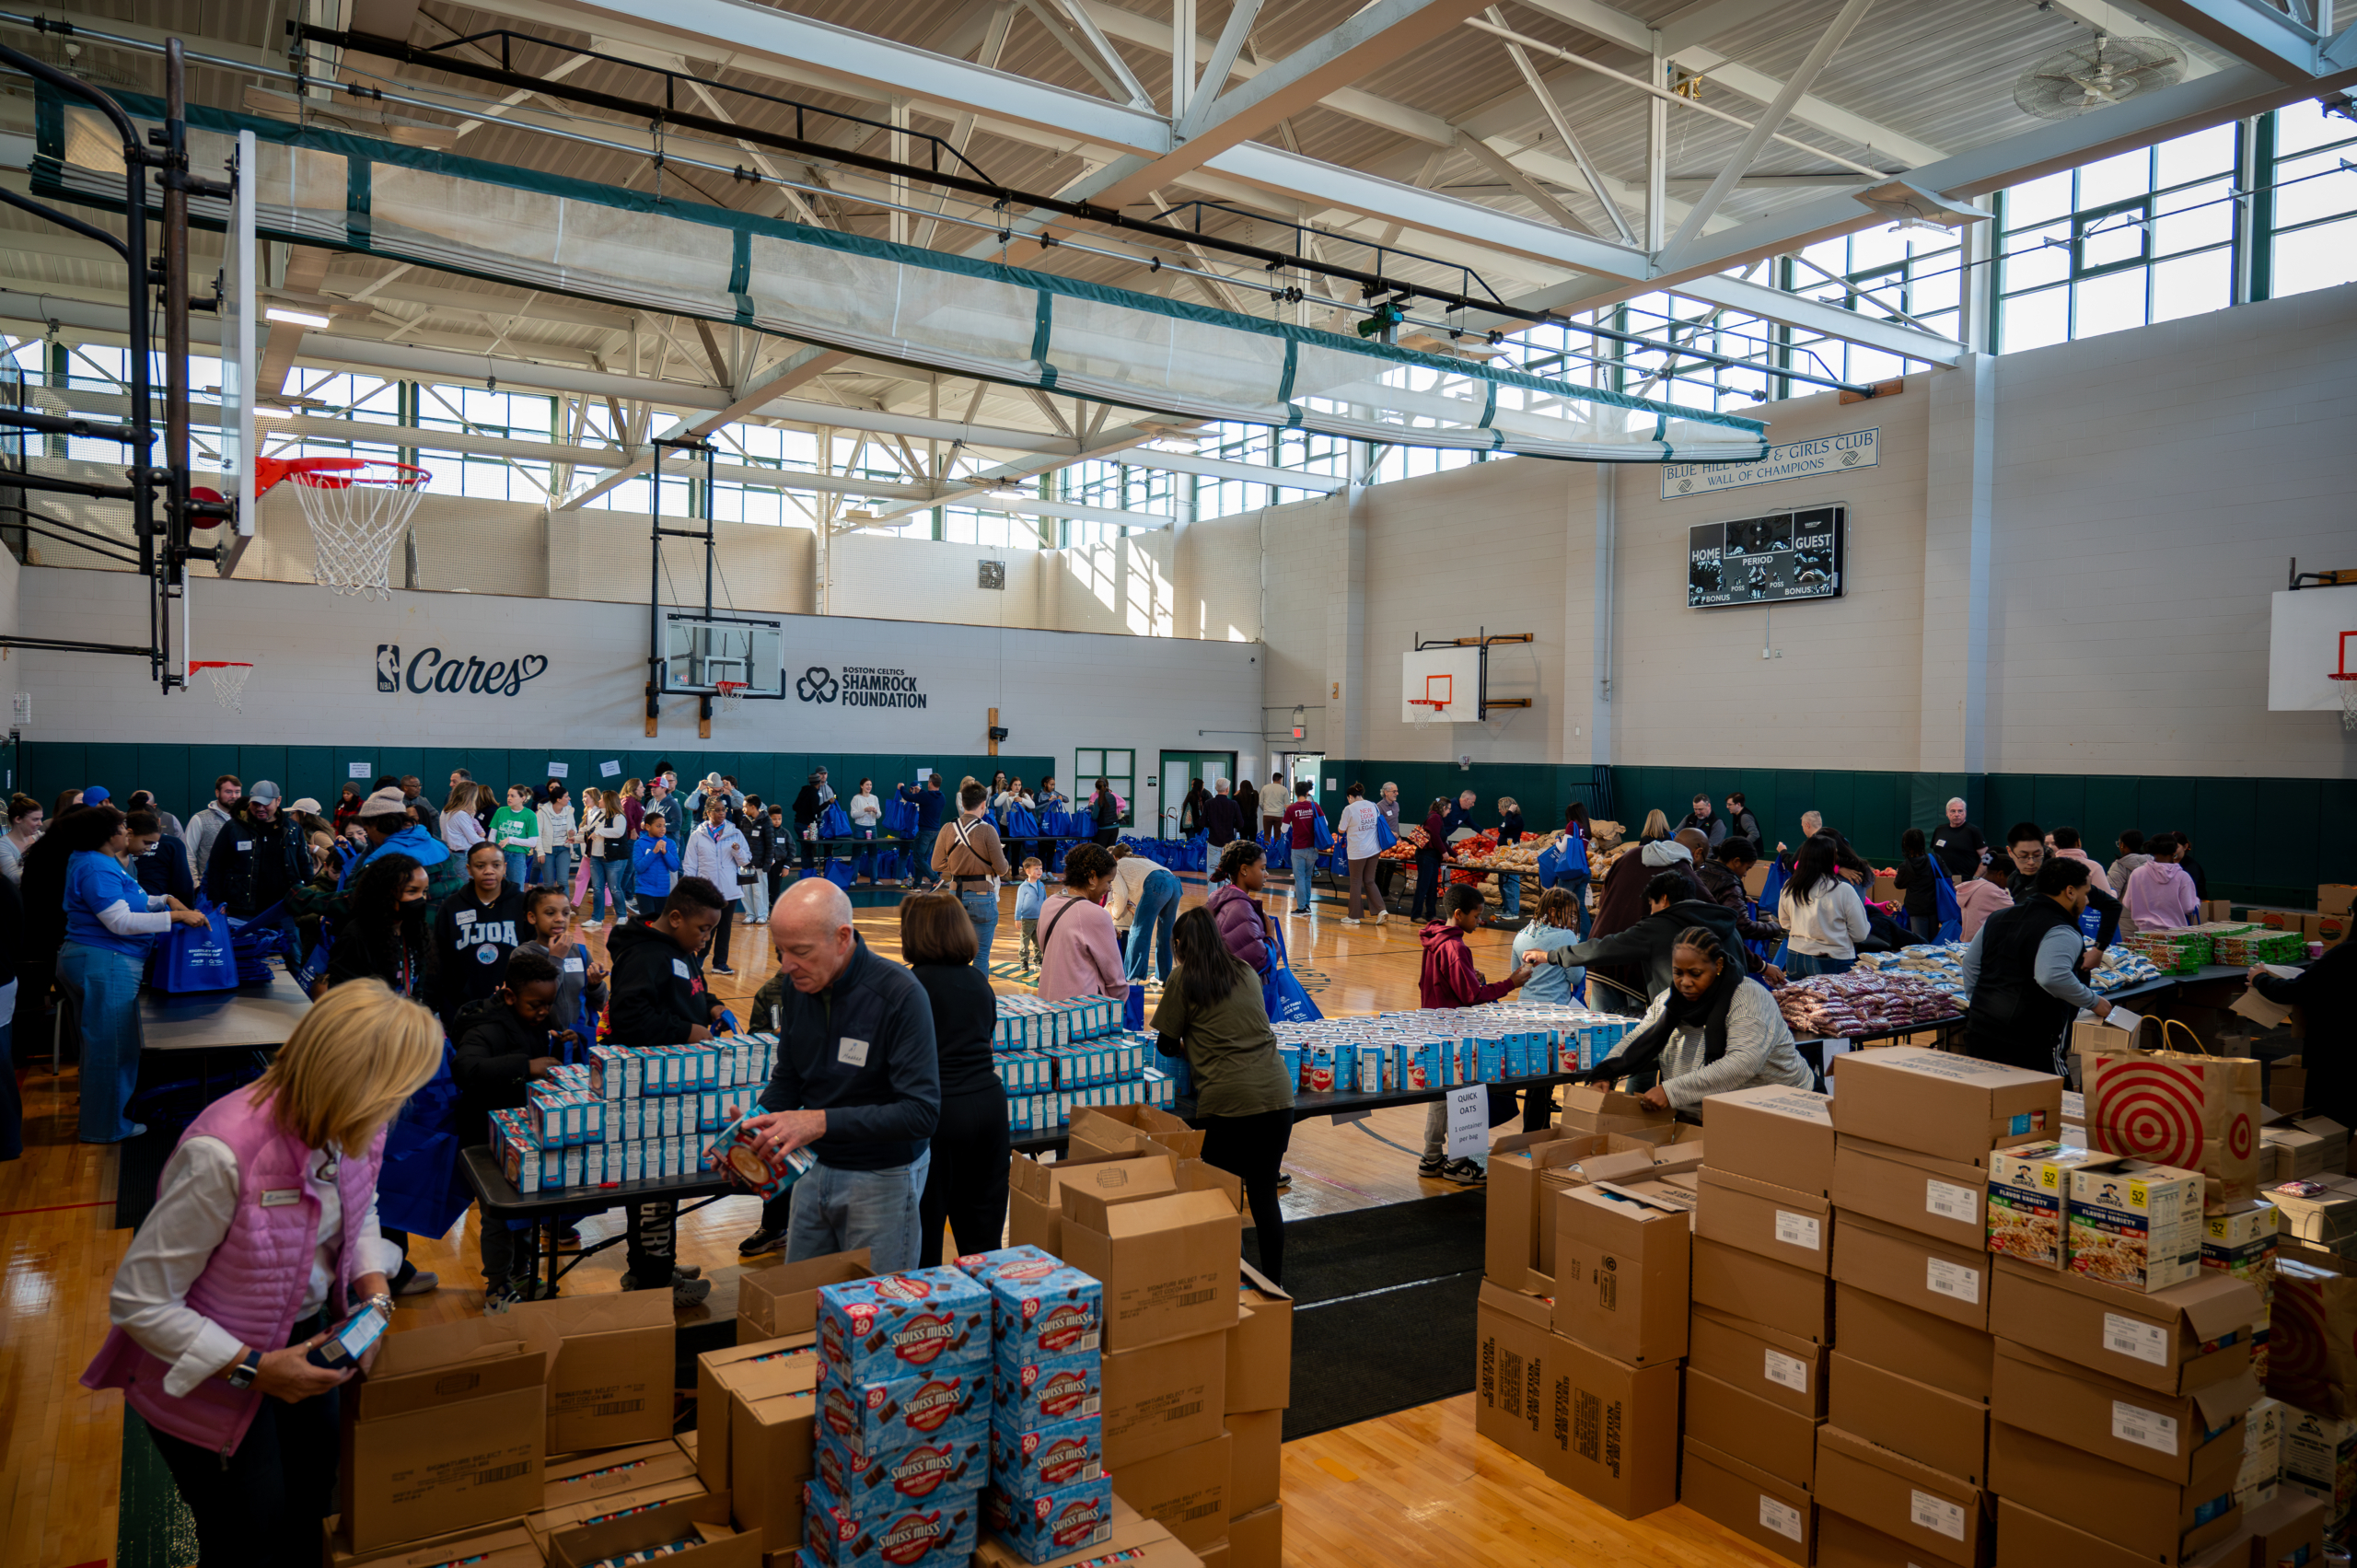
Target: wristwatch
[(242, 1376)]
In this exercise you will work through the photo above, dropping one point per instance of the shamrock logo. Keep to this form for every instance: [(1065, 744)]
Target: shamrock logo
[(816, 685)]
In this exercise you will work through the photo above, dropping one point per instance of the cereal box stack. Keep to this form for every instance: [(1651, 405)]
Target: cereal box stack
[(631, 1113), (1058, 1057), (1049, 1493), (902, 1443)]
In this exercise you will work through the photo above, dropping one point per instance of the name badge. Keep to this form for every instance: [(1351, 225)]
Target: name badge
[(851, 1053), (464, 917), (679, 968), (777, 1016), (573, 966), (279, 1197), (244, 846)]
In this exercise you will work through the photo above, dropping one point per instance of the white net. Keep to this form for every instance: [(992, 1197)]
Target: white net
[(728, 697), (357, 517), (2348, 684), (1424, 713), (227, 681)]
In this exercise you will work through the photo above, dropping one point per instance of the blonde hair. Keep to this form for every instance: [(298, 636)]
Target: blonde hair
[(1656, 827), (1508, 803), (633, 788), (357, 1056)]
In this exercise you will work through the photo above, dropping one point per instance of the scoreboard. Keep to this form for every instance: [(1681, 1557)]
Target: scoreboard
[(1767, 560)]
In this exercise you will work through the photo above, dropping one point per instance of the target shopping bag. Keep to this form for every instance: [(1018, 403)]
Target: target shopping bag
[(2178, 1108), (2311, 1335)]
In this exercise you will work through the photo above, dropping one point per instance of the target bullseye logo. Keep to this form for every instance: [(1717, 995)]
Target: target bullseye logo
[(2296, 1354), (2155, 1110), (2239, 1138)]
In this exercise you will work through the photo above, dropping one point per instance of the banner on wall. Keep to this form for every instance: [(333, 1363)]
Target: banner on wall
[(1794, 459)]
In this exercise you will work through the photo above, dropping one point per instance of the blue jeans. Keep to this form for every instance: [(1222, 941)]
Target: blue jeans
[(982, 910), (837, 1210), (519, 867), (106, 984), (604, 874), (1151, 923), (1304, 862), (558, 868), (1510, 889)]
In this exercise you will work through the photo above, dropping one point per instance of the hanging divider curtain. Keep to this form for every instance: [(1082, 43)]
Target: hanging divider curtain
[(946, 313)]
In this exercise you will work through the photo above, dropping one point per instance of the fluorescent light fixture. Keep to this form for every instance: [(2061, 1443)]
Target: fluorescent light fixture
[(295, 318), (1007, 493)]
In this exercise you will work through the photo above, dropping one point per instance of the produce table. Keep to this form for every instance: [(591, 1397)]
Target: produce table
[(546, 1211)]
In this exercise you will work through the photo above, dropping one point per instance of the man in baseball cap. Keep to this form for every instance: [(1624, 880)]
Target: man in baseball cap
[(258, 858)]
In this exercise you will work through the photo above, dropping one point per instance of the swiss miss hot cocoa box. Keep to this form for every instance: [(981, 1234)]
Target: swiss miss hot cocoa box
[(1025, 1465), (875, 1421), (880, 1330), (1043, 1391), (926, 1473), (1054, 1524), (1044, 1306), (936, 1533)]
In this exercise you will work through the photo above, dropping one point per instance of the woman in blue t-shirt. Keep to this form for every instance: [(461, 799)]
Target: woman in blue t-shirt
[(111, 924)]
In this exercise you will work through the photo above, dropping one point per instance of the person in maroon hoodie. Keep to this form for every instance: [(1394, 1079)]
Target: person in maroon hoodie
[(1450, 979)]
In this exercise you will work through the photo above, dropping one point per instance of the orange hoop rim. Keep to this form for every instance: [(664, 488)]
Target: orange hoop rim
[(333, 473), (195, 665)]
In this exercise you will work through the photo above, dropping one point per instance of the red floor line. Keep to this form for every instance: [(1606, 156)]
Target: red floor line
[(50, 1209)]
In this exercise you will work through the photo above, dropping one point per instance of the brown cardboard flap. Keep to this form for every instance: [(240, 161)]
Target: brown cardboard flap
[(707, 1516), (1535, 1310), (1117, 1215), (439, 1364), (782, 1300), (1652, 1194), (1036, 1179), (2221, 1402), (2213, 1306), (1118, 1127), (1195, 1176)]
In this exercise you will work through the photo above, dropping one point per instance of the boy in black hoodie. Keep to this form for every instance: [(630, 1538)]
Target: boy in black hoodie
[(502, 1045), (656, 996)]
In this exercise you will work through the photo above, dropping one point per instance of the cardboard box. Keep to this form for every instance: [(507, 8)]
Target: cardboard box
[(939, 1532), (1930, 1426), (1845, 1543), (2287, 1084), (1774, 1135), (2319, 1210), (1760, 1290), (874, 1420), (772, 1303), (705, 1516), (1932, 1512), (1950, 1107), (1148, 1544), (1930, 1349), (2028, 1539), (915, 1476), (1757, 1216), (447, 1432), (507, 1545), (1132, 1129), (772, 1431), (1256, 1539), (588, 1487), (1743, 1426), (1163, 1397), (1764, 1509), (717, 1374), (1187, 1490), (1512, 1210), (920, 1322), (2290, 1529), (1622, 1158), (2320, 1461), (1258, 1463), (1913, 1270), (2173, 1342), (1609, 1430), (2135, 1224), (1942, 1199), (610, 1366), (1260, 1348), (1623, 1270), (2172, 1438), (2029, 1188), (1168, 1264), (1599, 1108), (2112, 1502), (2336, 897), (1511, 1353), (1035, 1215), (2306, 1145), (1783, 1370)]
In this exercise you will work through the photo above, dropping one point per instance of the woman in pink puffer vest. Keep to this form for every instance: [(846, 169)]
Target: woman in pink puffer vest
[(263, 1238)]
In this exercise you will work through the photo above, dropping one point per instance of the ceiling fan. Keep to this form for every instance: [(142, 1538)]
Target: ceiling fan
[(2065, 86)]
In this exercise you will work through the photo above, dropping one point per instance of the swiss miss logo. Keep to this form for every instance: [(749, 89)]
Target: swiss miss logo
[(921, 1471), (909, 1536), (1029, 1269), (901, 1287), (1063, 1462), (1062, 1392), (1077, 1522), (842, 1415), (1064, 1324), (930, 1408), (920, 1340)]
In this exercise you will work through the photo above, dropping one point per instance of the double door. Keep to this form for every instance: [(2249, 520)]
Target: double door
[(1178, 775)]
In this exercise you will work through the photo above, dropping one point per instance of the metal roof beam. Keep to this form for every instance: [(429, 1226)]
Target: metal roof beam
[(2255, 34), (1814, 315)]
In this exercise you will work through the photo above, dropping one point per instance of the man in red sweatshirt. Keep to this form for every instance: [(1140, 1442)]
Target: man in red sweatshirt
[(1450, 979)]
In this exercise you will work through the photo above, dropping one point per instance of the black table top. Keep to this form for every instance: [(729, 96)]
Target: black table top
[(501, 1201)]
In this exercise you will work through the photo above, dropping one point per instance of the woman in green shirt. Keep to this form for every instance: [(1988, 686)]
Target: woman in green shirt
[(515, 828), (1211, 1013)]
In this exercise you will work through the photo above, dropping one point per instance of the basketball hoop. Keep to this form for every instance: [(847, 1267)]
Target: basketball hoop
[(227, 678), (2348, 684), (358, 507), (727, 697), (1425, 711)]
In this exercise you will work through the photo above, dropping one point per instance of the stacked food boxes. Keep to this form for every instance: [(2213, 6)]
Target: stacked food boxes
[(630, 1113), (1049, 1493), (1058, 1057), (1391, 1051), (903, 1422)]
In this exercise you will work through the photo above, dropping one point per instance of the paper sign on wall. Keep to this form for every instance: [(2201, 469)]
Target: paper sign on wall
[(1469, 1121), (357, 769), (560, 769), (609, 769)]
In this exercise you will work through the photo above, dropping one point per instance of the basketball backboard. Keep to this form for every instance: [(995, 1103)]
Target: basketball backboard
[(700, 651), (240, 361), (1448, 676), (2306, 648)]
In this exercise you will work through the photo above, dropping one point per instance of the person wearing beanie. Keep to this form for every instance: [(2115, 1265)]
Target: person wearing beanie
[(385, 818)]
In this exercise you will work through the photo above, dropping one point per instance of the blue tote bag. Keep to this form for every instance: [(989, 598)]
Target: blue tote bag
[(419, 1189), (834, 823), (1386, 835), (1320, 834), (899, 817), (1021, 823), (196, 957), (1951, 914)]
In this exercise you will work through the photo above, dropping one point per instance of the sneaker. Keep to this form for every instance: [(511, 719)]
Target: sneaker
[(685, 1293), (1284, 1181), (1348, 921), (718, 968), (567, 1238), (678, 1273), (420, 1283), (1295, 913), (1382, 915), (1465, 1173), (497, 1301), (760, 1241), (1432, 1167)]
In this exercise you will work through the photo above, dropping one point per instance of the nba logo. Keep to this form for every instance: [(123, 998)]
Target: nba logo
[(389, 666)]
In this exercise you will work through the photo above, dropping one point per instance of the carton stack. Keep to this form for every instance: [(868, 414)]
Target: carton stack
[(1058, 1058), (1048, 1495), (630, 1114), (1582, 1315), (902, 1433)]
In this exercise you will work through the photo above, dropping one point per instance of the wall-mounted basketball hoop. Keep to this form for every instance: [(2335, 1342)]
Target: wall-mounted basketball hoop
[(2345, 678)]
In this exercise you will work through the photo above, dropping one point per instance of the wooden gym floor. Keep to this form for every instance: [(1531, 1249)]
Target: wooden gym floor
[(1417, 1486)]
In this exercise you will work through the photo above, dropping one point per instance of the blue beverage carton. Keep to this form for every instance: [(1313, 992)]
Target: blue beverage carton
[(876, 1421), (1054, 1524), (1489, 1058), (1030, 1394), (1046, 1459), (929, 1320), (937, 1533), (870, 1487), (1368, 1068)]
